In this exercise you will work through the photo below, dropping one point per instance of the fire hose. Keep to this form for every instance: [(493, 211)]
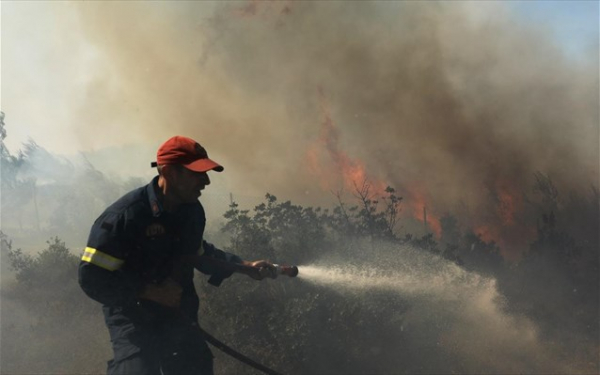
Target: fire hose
[(291, 271), (235, 354)]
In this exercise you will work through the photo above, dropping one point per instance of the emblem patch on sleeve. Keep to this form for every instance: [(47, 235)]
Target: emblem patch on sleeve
[(155, 229)]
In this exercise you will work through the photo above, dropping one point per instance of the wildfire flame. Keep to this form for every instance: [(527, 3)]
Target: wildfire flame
[(509, 203), (333, 167), (420, 210), (351, 171), (507, 226)]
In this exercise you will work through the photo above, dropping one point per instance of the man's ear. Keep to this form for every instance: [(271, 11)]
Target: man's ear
[(168, 171)]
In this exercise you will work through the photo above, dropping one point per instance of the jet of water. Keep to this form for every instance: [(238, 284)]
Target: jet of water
[(471, 314)]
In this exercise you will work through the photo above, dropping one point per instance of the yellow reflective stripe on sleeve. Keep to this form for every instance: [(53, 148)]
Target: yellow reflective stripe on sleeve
[(101, 259)]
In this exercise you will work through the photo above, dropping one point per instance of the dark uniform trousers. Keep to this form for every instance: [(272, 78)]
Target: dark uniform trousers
[(156, 345)]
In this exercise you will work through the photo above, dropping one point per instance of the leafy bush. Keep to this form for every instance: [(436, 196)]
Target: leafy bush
[(61, 328), (52, 266)]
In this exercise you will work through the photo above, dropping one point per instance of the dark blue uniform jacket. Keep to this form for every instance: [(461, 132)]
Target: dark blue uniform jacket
[(135, 242)]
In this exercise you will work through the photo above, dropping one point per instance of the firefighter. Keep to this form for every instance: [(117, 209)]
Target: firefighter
[(139, 264)]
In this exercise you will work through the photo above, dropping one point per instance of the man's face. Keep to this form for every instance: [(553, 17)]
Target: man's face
[(186, 185)]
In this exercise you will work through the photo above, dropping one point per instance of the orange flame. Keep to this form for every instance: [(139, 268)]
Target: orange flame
[(418, 207), (509, 202), (487, 233), (504, 227), (508, 227), (351, 171)]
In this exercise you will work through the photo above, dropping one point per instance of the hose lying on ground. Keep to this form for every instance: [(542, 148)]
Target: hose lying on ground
[(240, 357)]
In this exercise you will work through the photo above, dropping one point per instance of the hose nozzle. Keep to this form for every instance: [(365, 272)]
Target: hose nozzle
[(291, 271)]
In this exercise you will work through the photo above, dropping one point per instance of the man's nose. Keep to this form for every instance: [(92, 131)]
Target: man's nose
[(205, 179)]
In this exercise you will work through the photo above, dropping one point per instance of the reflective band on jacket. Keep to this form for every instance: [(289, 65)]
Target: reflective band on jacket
[(101, 259)]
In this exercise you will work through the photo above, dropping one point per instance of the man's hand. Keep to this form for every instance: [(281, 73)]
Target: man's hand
[(168, 293), (263, 268)]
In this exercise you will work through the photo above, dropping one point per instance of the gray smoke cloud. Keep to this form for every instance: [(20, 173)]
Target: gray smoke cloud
[(451, 102)]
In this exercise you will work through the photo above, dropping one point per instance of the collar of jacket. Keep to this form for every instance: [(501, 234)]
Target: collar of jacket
[(155, 205)]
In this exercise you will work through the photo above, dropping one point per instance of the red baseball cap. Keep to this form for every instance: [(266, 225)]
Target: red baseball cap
[(187, 152)]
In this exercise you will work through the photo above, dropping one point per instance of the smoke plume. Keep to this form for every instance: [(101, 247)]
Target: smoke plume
[(453, 104)]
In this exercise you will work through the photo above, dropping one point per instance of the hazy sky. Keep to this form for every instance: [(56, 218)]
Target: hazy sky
[(574, 24)]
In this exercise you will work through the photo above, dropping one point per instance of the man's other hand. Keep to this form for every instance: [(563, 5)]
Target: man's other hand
[(167, 293)]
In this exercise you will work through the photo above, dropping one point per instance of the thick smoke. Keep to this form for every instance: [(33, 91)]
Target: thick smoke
[(457, 103)]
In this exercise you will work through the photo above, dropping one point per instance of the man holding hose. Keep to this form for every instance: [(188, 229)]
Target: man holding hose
[(139, 263)]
